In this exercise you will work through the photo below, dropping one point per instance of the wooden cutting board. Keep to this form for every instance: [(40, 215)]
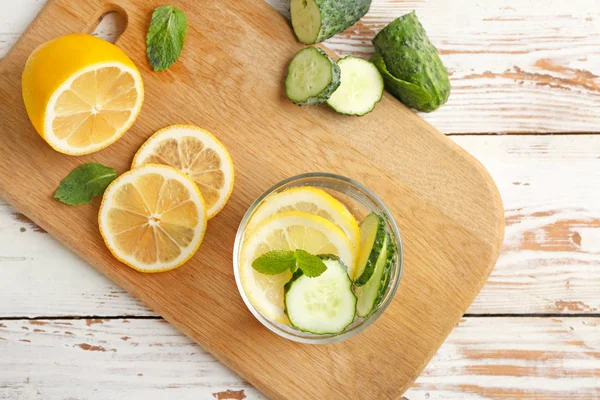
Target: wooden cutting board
[(229, 80)]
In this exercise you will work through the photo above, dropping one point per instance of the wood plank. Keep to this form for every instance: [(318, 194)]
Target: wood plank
[(41, 277), (550, 263), (515, 358), (16, 16), (516, 66), (492, 358), (551, 257), (110, 359)]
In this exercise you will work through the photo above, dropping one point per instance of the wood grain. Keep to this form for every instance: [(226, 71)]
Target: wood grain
[(548, 187), (551, 257), (110, 359), (231, 84), (550, 262), (515, 358), (491, 358), (516, 66)]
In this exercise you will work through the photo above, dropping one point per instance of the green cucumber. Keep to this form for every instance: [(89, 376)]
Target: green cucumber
[(317, 20), (322, 305), (371, 294), (411, 95), (411, 67), (360, 89), (312, 77), (372, 236), (387, 272)]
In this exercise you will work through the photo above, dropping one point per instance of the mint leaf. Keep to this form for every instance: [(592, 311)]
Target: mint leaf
[(164, 40), (278, 261), (275, 262), (83, 183), (312, 266)]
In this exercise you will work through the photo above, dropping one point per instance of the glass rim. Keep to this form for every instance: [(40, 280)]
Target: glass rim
[(315, 338)]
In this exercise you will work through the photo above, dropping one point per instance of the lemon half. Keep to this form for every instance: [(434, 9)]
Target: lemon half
[(81, 93)]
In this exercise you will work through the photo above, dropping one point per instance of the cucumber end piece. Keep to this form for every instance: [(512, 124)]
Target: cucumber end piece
[(410, 64), (306, 20), (409, 94)]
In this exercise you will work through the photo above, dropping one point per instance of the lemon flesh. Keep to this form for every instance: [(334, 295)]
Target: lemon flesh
[(197, 153), (152, 218), (81, 93), (310, 200)]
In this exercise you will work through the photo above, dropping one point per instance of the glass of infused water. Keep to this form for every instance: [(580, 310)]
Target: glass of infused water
[(317, 258)]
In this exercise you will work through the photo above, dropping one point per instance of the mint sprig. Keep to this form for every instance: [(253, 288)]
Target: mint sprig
[(275, 262), (165, 37), (83, 183), (278, 261), (312, 266)]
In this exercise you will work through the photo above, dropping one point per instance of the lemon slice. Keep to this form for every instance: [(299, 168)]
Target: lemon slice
[(287, 231), (152, 218), (198, 154), (81, 93), (313, 201)]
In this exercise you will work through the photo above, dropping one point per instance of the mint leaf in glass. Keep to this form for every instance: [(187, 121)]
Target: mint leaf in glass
[(278, 261), (311, 266), (275, 262)]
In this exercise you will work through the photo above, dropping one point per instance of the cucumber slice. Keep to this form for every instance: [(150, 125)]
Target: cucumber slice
[(322, 305), (372, 236), (361, 87), (317, 20), (312, 77), (371, 294)]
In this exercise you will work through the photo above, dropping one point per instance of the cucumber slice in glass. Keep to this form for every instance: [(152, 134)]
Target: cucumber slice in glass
[(312, 77), (372, 236), (360, 89), (322, 305), (371, 294)]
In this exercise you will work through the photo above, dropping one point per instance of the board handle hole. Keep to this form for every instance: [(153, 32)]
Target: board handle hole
[(111, 25)]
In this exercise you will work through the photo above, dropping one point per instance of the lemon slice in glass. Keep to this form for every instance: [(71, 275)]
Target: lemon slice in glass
[(289, 230), (313, 201)]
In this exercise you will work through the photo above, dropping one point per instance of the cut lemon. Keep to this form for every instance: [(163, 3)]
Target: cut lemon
[(81, 93), (313, 201), (152, 218), (287, 231), (198, 154)]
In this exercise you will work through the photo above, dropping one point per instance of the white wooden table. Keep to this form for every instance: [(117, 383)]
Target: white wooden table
[(520, 70)]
